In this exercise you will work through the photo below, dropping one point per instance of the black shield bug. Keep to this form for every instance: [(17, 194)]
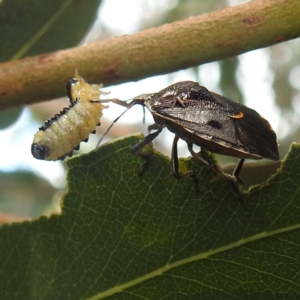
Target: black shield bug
[(63, 133), (208, 120)]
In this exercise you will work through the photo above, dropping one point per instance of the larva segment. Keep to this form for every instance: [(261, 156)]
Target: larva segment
[(77, 87), (60, 135)]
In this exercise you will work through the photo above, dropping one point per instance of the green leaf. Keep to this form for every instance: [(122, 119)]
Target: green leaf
[(37, 200), (121, 236), (9, 116), (30, 27)]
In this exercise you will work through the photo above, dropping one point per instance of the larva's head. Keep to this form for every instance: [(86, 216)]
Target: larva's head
[(47, 146), (77, 87), (42, 146), (72, 85), (39, 151)]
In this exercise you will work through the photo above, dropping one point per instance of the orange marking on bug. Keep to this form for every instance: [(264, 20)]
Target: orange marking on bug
[(237, 115)]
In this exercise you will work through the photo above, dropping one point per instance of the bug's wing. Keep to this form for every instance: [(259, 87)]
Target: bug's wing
[(202, 121), (251, 129), (232, 123)]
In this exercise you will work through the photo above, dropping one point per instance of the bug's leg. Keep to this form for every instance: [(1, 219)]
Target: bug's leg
[(144, 115), (237, 171), (174, 161), (174, 158), (148, 139), (175, 168), (198, 156), (154, 126), (232, 180)]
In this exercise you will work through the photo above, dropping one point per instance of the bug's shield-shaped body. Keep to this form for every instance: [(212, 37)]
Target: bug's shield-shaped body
[(212, 122), (63, 133)]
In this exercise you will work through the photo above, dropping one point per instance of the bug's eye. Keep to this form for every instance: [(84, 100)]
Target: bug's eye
[(39, 151)]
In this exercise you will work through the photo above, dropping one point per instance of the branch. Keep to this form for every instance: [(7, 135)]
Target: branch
[(160, 50)]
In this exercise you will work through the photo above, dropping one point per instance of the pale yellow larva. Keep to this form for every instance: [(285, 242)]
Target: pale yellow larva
[(62, 134)]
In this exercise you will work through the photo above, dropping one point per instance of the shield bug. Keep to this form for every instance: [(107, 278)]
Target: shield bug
[(62, 134), (209, 120)]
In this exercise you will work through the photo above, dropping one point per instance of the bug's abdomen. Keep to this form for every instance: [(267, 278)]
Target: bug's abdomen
[(65, 133)]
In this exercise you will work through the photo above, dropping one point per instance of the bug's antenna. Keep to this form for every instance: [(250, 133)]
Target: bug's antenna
[(123, 103)]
